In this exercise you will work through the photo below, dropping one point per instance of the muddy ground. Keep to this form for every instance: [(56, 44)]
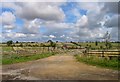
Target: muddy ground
[(58, 67)]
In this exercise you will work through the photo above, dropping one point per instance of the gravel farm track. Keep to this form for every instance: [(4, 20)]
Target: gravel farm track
[(57, 67)]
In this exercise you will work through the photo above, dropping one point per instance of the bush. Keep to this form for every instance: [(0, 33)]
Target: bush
[(9, 43)]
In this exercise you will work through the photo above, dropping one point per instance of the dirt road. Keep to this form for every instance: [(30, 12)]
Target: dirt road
[(58, 67)]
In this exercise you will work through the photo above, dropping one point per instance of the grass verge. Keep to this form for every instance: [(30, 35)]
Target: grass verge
[(101, 62), (17, 59)]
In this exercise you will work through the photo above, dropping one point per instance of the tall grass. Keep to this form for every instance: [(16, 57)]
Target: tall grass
[(7, 49), (16, 59), (101, 62)]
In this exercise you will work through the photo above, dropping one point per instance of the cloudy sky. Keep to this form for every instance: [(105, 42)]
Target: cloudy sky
[(59, 21)]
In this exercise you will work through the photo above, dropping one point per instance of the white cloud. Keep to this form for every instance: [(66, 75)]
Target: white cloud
[(113, 24), (19, 35), (32, 35), (57, 25), (9, 26), (8, 31), (89, 6), (32, 26), (52, 36), (0, 35), (82, 21), (90, 26), (50, 16), (59, 30), (115, 34), (33, 1), (7, 19), (14, 35), (113, 21), (45, 11), (93, 16), (111, 7), (11, 5), (62, 36)]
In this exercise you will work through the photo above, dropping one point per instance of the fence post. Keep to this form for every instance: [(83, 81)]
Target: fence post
[(102, 53)]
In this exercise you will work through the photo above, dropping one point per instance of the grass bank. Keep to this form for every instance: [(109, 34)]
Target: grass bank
[(17, 59), (101, 62)]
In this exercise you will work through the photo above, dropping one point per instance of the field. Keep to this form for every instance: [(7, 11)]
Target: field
[(60, 54), (19, 51), (99, 46)]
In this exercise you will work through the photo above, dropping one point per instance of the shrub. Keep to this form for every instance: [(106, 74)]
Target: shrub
[(9, 43)]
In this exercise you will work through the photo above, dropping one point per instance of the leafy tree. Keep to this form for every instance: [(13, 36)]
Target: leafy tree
[(50, 41), (96, 43), (71, 42), (9, 43), (17, 42), (52, 44), (56, 41)]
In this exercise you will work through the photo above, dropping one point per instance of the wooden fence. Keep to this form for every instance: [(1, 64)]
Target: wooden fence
[(103, 53)]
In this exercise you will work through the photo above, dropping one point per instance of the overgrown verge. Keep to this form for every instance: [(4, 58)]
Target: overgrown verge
[(101, 62), (17, 59)]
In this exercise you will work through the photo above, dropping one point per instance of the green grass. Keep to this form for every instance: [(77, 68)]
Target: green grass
[(101, 62), (7, 48), (17, 59)]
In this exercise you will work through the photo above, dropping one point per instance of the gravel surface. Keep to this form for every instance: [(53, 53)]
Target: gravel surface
[(58, 67)]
